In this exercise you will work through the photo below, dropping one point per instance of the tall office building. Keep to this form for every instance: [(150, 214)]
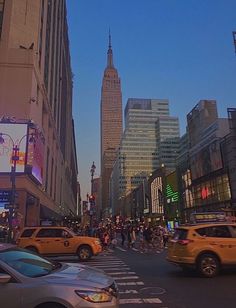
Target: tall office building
[(150, 140), (36, 109), (111, 124)]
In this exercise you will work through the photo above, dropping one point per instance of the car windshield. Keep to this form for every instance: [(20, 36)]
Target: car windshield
[(27, 263)]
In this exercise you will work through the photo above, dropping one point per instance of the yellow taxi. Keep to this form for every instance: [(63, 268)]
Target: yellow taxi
[(58, 241), (207, 247)]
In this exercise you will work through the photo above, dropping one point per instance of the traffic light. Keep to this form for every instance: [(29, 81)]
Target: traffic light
[(92, 200)]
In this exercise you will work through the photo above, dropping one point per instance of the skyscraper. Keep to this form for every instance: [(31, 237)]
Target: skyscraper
[(150, 140), (111, 123)]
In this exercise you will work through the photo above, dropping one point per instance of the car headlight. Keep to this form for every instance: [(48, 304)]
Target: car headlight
[(97, 242), (95, 296)]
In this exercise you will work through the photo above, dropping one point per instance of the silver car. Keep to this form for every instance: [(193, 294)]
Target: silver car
[(28, 280)]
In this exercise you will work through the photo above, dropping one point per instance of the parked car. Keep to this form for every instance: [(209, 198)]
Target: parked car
[(32, 281), (58, 241), (205, 247)]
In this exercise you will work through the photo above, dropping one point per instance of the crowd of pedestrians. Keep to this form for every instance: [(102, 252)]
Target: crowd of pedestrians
[(143, 237)]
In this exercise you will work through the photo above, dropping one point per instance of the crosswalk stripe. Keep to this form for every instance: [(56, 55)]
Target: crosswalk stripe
[(138, 283), (125, 278), (152, 300), (140, 301), (127, 291), (120, 273), (111, 268), (120, 248)]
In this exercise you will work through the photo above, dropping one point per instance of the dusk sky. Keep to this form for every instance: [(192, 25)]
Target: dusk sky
[(181, 50)]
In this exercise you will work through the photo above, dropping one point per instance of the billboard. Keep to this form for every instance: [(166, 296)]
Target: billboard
[(13, 134), (206, 160)]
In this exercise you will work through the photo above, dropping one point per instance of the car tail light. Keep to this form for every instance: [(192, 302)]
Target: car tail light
[(184, 242)]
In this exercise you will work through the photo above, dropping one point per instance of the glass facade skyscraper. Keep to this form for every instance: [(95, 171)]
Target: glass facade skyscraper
[(150, 139)]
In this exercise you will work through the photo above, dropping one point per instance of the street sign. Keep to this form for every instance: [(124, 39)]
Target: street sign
[(5, 195), (11, 206)]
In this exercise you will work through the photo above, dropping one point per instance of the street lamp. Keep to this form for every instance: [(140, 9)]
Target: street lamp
[(92, 171), (14, 158)]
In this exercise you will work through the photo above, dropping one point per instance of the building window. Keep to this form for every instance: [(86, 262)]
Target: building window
[(1, 14)]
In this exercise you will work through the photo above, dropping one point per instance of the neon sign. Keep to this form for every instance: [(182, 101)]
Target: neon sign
[(171, 195)]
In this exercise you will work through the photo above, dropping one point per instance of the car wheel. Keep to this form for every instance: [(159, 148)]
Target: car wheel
[(84, 253), (208, 265), (32, 248)]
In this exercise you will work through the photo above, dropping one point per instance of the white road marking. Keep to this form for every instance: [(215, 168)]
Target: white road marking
[(138, 283), (140, 301), (131, 301), (120, 248), (128, 292), (120, 273), (152, 300), (125, 278), (110, 263), (112, 268)]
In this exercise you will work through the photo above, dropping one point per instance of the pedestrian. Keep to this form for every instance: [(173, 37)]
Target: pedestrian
[(106, 240), (133, 236), (129, 240), (148, 236), (16, 234), (122, 233), (141, 240)]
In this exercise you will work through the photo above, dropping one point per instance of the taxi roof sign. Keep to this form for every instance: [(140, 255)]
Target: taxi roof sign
[(207, 217)]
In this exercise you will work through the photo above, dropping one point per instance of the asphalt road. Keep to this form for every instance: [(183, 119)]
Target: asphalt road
[(179, 290), (147, 280)]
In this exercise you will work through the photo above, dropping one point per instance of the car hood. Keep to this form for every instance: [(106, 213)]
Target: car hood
[(79, 275)]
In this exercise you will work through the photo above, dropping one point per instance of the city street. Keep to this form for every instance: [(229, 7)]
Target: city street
[(148, 280)]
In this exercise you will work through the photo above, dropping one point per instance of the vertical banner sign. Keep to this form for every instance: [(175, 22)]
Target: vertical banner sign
[(36, 155)]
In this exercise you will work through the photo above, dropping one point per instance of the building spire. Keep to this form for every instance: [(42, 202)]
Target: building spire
[(109, 53)]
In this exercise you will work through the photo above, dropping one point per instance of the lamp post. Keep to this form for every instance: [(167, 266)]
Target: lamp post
[(14, 158), (92, 171)]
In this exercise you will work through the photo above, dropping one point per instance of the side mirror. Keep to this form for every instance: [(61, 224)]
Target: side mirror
[(4, 278)]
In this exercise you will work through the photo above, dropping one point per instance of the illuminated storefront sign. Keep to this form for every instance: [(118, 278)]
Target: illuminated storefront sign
[(205, 192), (157, 196), (13, 134), (214, 190), (172, 194)]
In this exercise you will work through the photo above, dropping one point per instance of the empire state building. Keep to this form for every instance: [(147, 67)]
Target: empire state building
[(111, 124)]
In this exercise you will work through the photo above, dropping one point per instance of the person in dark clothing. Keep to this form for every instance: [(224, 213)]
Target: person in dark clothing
[(148, 235), (122, 233)]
